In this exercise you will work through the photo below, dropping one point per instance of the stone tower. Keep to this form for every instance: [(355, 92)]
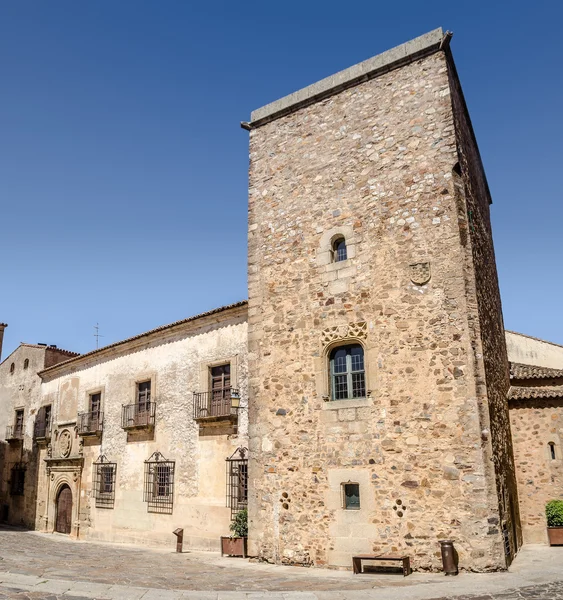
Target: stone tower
[(377, 359)]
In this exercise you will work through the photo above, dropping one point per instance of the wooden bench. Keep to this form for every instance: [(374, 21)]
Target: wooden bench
[(357, 561)]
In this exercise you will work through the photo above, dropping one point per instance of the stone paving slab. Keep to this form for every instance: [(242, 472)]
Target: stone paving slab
[(37, 566)]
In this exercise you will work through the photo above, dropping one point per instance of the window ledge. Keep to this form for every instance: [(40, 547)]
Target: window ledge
[(352, 403), (335, 266)]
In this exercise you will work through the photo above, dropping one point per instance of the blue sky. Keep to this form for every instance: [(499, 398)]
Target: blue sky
[(123, 169)]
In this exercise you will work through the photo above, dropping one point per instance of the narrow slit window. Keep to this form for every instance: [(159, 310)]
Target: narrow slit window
[(339, 251), (26, 363), (552, 454)]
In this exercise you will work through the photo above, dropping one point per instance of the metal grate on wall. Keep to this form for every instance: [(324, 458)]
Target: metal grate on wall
[(237, 481), (17, 479), (159, 484), (104, 482)]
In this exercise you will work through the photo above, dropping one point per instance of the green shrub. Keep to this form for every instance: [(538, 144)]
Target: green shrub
[(554, 513), (239, 526)]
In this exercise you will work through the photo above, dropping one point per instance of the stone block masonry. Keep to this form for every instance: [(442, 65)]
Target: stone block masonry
[(374, 163)]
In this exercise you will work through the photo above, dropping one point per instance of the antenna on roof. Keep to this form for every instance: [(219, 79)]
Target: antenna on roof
[(97, 335)]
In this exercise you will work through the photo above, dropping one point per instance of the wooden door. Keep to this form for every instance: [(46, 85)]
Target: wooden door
[(64, 510)]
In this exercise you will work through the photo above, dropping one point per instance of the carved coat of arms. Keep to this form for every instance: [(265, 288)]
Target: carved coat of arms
[(420, 273), (65, 443)]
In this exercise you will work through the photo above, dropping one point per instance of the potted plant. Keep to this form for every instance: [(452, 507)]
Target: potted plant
[(235, 544), (554, 515)]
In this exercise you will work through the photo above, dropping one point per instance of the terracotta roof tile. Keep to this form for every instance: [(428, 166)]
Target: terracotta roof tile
[(520, 371), (528, 393), (56, 349)]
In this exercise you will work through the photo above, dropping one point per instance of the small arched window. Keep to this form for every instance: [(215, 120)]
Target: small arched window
[(339, 251), (26, 363), (551, 447), (12, 368), (347, 372)]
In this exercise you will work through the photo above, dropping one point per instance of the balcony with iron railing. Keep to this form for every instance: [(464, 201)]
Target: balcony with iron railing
[(216, 404), (90, 423), (42, 430), (137, 416), (14, 433)]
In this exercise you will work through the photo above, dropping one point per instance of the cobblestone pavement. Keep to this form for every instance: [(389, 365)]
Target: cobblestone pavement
[(550, 591), (36, 566)]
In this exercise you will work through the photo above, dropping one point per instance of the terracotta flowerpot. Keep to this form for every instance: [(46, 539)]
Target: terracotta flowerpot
[(555, 535), (234, 546)]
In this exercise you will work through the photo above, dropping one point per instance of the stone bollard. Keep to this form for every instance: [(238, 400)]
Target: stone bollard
[(448, 557), (179, 533)]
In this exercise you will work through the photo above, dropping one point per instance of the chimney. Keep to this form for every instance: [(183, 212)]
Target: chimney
[(2, 327)]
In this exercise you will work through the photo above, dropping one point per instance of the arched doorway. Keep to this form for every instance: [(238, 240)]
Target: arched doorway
[(64, 510)]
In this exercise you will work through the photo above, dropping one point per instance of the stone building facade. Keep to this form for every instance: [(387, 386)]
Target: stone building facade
[(383, 158), (362, 401), (140, 433), (20, 400)]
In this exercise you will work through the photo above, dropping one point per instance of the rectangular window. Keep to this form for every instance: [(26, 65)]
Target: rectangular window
[(220, 379), (95, 402), (42, 428), (48, 418), (162, 481), (104, 482), (144, 396), (351, 493), (18, 424)]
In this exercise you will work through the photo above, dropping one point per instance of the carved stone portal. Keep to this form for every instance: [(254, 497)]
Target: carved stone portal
[(420, 273)]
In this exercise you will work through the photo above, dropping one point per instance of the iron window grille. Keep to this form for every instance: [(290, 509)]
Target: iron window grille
[(104, 482), (237, 481), (17, 480), (42, 427), (159, 484), (347, 372), (15, 432)]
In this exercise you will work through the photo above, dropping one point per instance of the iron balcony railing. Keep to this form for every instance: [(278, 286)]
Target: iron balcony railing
[(90, 423), (138, 415), (14, 432), (42, 430), (216, 404)]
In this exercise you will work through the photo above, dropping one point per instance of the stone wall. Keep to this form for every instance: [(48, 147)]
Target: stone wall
[(485, 315), (373, 163), (535, 423), (176, 360)]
